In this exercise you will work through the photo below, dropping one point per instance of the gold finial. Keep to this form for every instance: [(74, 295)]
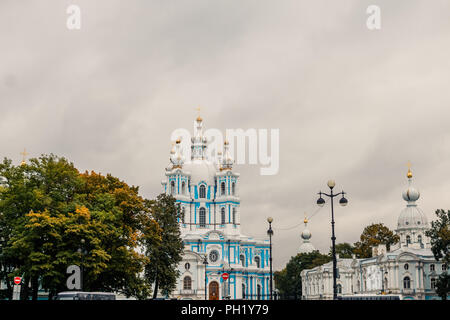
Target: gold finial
[(178, 141), (306, 219), (198, 118), (409, 174), (24, 154)]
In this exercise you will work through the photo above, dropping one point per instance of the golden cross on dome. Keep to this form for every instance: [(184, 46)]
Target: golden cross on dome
[(24, 154), (198, 110)]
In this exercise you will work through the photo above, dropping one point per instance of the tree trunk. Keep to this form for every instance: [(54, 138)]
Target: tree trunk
[(24, 289)]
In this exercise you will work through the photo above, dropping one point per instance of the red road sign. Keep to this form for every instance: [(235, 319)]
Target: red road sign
[(17, 280), (225, 276)]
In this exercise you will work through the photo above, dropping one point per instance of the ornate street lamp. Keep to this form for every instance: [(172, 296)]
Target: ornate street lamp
[(270, 233), (343, 202)]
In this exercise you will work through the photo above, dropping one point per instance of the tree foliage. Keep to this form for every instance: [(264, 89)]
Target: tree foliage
[(372, 236), (344, 250), (439, 235), (165, 251)]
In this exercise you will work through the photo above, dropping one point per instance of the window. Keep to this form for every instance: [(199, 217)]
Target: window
[(406, 266), (202, 218), (408, 239), (213, 256), (202, 191), (234, 215), (431, 267), (433, 284), (444, 267), (233, 188), (406, 283), (183, 211), (222, 188), (222, 214), (183, 187), (258, 290), (242, 258), (187, 283), (172, 187), (419, 238), (187, 266), (258, 261), (243, 291), (339, 288)]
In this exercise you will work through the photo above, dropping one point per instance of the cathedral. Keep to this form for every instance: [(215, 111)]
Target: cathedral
[(408, 270), (218, 261)]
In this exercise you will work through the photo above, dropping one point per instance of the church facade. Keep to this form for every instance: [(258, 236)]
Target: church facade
[(408, 269), (218, 261)]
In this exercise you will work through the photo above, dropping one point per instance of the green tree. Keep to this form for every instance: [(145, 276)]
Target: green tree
[(344, 250), (166, 252), (51, 216), (374, 235), (439, 235), (288, 281)]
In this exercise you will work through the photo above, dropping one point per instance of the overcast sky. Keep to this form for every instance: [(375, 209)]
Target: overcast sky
[(351, 104)]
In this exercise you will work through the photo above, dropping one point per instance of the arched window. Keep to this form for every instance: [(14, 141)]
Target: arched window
[(172, 187), (202, 218), (419, 238), (233, 188), (444, 267), (222, 188), (202, 191), (339, 288), (183, 187), (406, 266), (408, 239), (406, 283), (187, 283), (222, 214), (258, 262), (433, 283), (234, 215), (242, 258), (431, 267)]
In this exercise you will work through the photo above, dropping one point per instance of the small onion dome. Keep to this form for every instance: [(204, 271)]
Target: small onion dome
[(411, 194), (173, 149), (306, 234), (226, 142), (199, 119), (178, 141), (305, 221)]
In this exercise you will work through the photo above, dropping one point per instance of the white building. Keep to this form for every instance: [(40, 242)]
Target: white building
[(409, 269), (208, 193)]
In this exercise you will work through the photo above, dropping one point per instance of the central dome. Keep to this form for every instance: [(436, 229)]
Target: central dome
[(412, 217), (200, 170)]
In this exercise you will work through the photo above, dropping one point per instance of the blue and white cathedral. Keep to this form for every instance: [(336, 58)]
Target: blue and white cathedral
[(208, 193)]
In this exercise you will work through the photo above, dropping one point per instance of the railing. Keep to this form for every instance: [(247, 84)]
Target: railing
[(188, 291)]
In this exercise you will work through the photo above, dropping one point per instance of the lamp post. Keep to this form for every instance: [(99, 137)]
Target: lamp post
[(205, 262), (343, 202), (270, 233), (82, 251)]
